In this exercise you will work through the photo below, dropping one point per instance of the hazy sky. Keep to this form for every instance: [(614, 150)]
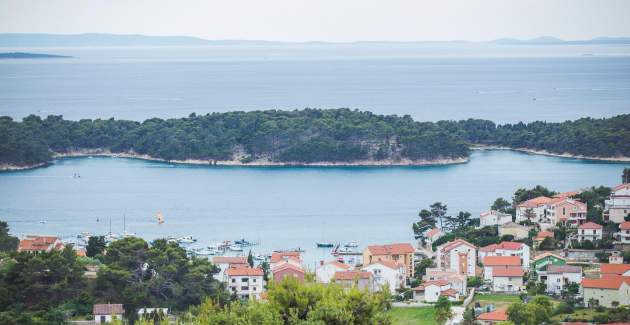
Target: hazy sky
[(323, 20)]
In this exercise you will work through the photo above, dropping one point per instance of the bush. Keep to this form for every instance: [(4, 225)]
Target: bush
[(563, 308)]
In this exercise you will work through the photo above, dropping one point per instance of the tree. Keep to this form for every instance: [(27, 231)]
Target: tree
[(421, 268), (547, 244), (459, 223), (538, 311), (502, 205), (250, 259), (625, 176), (427, 222), (96, 245), (8, 243), (443, 310), (438, 212), (523, 194)]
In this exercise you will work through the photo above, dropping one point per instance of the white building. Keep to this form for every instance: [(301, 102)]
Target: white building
[(326, 271), (590, 231), (431, 291), (493, 218), (387, 272), (618, 206), (623, 235), (458, 256), (507, 249), (507, 279), (457, 281), (245, 282), (556, 277), (538, 209), (106, 313), (224, 262)]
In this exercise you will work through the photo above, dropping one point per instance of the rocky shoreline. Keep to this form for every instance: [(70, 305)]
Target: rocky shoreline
[(551, 154)]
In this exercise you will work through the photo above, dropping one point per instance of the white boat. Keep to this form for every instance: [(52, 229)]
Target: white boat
[(236, 248), (345, 250), (186, 240), (352, 244), (259, 257), (160, 218)]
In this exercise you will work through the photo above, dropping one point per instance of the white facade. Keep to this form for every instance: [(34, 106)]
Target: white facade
[(618, 206), (104, 319), (386, 275), (539, 214), (458, 256), (507, 283), (493, 218), (246, 286), (508, 249), (432, 292), (623, 235), (457, 281), (325, 272), (589, 234), (556, 281)]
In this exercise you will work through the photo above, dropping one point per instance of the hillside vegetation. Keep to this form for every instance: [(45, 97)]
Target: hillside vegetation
[(302, 137)]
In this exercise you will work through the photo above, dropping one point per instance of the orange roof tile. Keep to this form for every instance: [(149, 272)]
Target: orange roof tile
[(609, 282), (499, 271), (497, 315), (453, 244), (244, 271), (501, 261), (535, 202), (339, 265), (285, 266), (39, 243), (543, 255), (618, 187), (591, 225), (439, 283), (449, 293), (391, 249), (433, 232), (625, 225), (506, 245), (352, 275), (390, 264), (544, 234), (279, 256), (615, 269), (229, 260)]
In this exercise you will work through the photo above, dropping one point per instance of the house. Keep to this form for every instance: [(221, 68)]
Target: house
[(431, 291), (432, 235), (609, 291), (360, 279), (286, 269), (458, 256), (492, 317), (245, 282), (507, 249), (534, 210), (289, 256), (545, 259), (590, 231), (402, 253), (556, 277), (514, 229), (567, 211), (225, 262), (36, 244), (457, 281), (614, 269), (618, 206), (493, 218), (492, 263), (326, 271), (615, 258), (388, 272), (542, 235), (507, 279), (623, 235), (106, 313)]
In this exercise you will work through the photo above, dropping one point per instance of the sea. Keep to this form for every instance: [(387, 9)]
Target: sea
[(290, 207)]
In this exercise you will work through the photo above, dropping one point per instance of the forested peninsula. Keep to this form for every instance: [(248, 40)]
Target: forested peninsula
[(302, 137)]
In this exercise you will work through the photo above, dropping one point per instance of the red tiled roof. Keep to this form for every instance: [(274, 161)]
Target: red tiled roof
[(279, 256), (506, 245), (287, 265), (339, 264), (457, 242), (449, 293), (229, 260), (497, 315), (625, 225), (390, 264), (557, 269), (489, 248), (352, 275), (439, 283), (618, 187), (39, 243), (108, 309), (615, 269), (501, 261), (544, 234), (535, 202), (591, 225), (543, 255), (609, 282), (507, 271), (391, 249), (433, 232), (244, 271)]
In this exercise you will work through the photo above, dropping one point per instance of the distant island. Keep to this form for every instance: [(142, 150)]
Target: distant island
[(321, 137), (24, 55), (97, 39)]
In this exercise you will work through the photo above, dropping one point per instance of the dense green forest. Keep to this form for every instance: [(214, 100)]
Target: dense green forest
[(302, 136)]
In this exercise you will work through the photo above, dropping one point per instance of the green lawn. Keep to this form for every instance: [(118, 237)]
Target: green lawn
[(578, 315), (413, 315), (497, 298)]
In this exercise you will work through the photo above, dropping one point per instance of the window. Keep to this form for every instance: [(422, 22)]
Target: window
[(244, 288), (253, 288), (233, 280), (244, 279), (254, 280)]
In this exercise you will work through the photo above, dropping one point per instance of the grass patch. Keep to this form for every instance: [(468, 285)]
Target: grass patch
[(585, 314), (497, 298), (413, 315)]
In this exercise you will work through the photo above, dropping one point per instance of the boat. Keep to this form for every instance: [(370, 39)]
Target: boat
[(352, 244), (324, 244), (243, 242), (259, 257), (186, 240), (236, 248), (345, 250), (160, 218)]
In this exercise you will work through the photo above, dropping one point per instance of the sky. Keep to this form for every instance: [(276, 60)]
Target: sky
[(323, 20)]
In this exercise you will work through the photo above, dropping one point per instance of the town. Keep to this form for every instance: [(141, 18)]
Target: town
[(546, 257)]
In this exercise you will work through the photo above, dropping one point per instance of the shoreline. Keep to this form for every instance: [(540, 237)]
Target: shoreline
[(550, 154), (238, 163)]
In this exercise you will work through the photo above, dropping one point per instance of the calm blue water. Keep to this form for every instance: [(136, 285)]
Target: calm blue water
[(428, 82), (281, 207)]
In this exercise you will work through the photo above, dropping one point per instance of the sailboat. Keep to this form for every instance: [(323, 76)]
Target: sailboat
[(160, 218)]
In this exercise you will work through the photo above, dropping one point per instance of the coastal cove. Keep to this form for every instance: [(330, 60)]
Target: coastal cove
[(282, 207)]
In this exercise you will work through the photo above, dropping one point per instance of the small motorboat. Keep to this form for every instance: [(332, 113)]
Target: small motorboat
[(352, 244), (345, 250), (243, 242), (236, 248), (186, 240), (324, 244), (259, 257)]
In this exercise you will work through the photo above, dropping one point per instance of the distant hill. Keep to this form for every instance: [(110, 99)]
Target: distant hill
[(111, 40), (23, 55)]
